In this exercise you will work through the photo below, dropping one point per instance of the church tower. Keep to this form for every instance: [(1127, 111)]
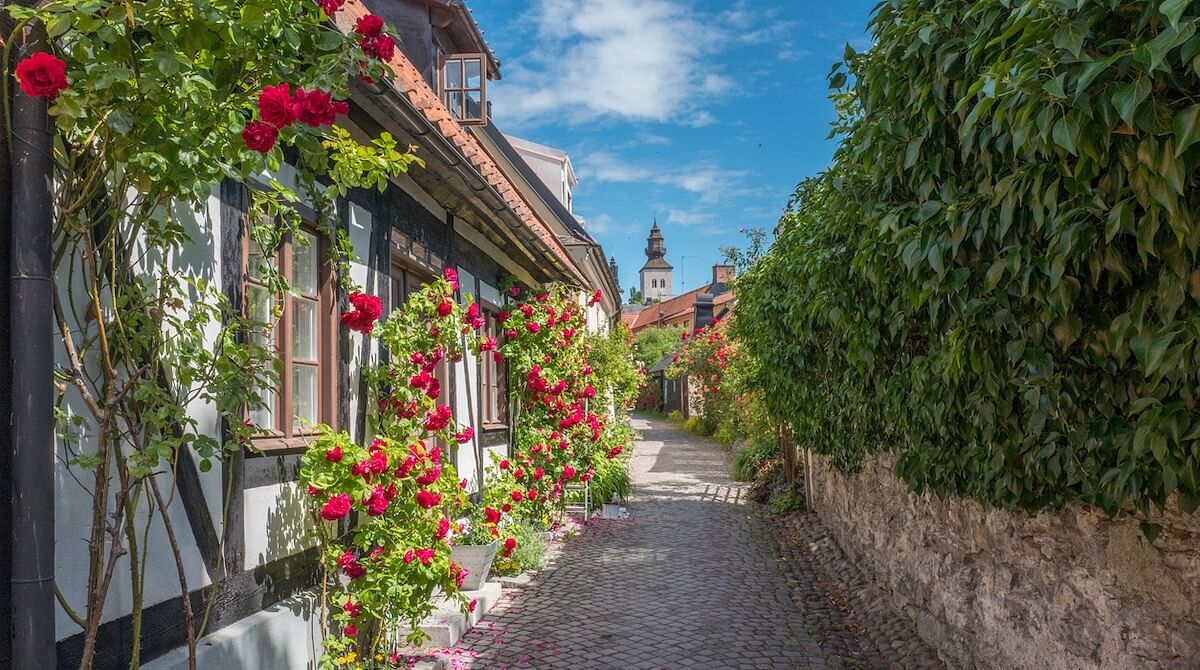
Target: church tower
[(657, 273)]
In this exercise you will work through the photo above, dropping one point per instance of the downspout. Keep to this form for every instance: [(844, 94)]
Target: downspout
[(32, 423)]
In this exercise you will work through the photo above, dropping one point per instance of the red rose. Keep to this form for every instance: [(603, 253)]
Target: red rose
[(517, 496), (331, 6), (369, 26), (488, 344), (492, 515), (430, 476), (463, 436), (367, 310), (275, 105), (352, 609), (42, 75), (506, 508), (350, 631), (260, 136), (443, 528), (426, 555), (334, 455), (515, 291), (428, 499), (337, 507), (533, 327), (316, 108), (504, 464), (438, 419), (377, 502), (444, 308), (382, 48), (509, 545), (451, 276)]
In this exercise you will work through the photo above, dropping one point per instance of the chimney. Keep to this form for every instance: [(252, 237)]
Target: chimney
[(704, 310), (723, 274)]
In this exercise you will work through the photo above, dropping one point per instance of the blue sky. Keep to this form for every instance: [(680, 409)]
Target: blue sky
[(708, 112)]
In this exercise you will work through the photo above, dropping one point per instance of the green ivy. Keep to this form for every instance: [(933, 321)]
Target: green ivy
[(997, 277)]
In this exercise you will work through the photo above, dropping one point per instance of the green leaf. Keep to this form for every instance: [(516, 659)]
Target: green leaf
[(1187, 128), (1151, 530), (1070, 37), (1129, 96), (1120, 218), (1173, 10)]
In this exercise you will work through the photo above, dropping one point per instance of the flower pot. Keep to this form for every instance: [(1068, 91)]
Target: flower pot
[(477, 559)]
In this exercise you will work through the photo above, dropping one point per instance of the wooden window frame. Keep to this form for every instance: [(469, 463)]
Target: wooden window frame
[(405, 263), (493, 377), (283, 436), (445, 91)]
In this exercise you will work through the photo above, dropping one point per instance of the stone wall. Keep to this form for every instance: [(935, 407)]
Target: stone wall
[(993, 589)]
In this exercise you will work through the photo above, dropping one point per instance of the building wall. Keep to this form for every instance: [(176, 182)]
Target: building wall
[(994, 589)]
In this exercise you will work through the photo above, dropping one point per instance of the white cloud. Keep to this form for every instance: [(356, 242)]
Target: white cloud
[(604, 224), (709, 181), (630, 59), (689, 217)]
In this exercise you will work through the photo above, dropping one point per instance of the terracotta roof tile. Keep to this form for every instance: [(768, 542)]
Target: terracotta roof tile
[(409, 82)]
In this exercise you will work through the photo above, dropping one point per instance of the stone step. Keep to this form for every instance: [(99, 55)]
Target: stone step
[(447, 624)]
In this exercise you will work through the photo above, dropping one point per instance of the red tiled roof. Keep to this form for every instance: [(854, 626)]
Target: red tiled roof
[(407, 80), (668, 309)]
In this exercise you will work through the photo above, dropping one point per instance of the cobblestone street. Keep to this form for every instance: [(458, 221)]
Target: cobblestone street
[(695, 579)]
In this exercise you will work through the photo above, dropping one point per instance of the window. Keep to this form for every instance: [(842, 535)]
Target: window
[(406, 281), (303, 339), (493, 380), (463, 86)]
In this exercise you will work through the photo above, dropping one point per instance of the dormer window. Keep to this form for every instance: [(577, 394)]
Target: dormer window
[(464, 87)]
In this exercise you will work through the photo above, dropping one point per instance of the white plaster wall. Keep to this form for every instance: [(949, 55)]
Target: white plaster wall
[(73, 500), (277, 523), (466, 400), (286, 636), (363, 349)]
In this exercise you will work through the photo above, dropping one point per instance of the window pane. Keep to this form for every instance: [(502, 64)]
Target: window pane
[(259, 304), (474, 107), (474, 68), (255, 260), (454, 74), (304, 395), (304, 329), (454, 101), (305, 263), (264, 416)]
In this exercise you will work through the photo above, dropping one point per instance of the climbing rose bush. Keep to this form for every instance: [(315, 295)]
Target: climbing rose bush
[(394, 499)]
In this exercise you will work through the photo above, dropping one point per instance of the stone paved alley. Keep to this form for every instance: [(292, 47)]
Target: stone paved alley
[(696, 579)]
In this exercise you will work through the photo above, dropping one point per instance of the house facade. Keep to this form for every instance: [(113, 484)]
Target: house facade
[(249, 555)]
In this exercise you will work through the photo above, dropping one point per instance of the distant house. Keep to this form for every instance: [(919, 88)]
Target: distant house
[(687, 309)]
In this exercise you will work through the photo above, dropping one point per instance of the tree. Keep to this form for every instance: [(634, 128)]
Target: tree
[(635, 296), (653, 343)]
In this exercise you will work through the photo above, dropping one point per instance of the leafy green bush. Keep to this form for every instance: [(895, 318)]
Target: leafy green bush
[(611, 480), (696, 425), (675, 417), (786, 502), (530, 553), (997, 277), (726, 434), (749, 460)]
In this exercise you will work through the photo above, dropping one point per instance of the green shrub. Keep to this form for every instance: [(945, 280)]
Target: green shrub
[(530, 554), (611, 479), (675, 417), (786, 502), (996, 279), (727, 434), (749, 460)]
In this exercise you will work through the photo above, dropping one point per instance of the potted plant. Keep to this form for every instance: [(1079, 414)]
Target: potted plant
[(476, 545)]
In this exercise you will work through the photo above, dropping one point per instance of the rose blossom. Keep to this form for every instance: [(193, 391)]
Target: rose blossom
[(316, 108), (334, 455), (492, 515), (275, 105), (336, 507), (44, 75), (443, 529), (260, 136), (444, 308), (463, 436), (377, 502), (428, 499), (451, 276)]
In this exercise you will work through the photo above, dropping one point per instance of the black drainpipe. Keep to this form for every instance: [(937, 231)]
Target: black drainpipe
[(31, 290)]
